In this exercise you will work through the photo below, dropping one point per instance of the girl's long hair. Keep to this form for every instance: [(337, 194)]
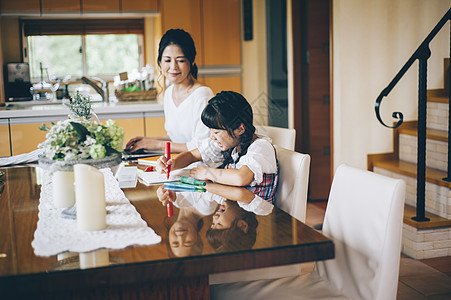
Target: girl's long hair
[(183, 39), (227, 111)]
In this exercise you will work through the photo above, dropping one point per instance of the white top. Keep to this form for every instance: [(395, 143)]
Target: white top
[(260, 157), (183, 123)]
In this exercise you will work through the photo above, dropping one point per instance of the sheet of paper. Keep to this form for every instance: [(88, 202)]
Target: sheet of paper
[(150, 178)]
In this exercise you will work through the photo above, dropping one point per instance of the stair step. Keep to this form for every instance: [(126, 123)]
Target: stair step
[(410, 169), (434, 220), (432, 134)]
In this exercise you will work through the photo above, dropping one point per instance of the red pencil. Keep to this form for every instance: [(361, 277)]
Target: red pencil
[(167, 153)]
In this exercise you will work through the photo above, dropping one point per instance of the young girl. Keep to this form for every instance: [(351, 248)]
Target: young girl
[(248, 170)]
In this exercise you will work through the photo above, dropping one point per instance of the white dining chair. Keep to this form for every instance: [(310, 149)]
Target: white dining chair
[(291, 196), (283, 137), (364, 220)]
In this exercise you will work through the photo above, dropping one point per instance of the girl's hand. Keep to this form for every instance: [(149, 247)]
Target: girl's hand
[(165, 196), (162, 164), (202, 173)]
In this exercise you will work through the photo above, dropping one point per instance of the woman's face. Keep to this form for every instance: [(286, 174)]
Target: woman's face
[(224, 140), (182, 238), (174, 65), (224, 216)]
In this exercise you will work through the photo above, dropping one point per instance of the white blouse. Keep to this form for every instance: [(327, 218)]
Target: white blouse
[(183, 123)]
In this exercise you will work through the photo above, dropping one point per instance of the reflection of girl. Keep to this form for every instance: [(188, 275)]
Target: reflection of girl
[(184, 100), (248, 162), (232, 228)]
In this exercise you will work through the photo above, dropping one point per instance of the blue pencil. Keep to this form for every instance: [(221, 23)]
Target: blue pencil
[(174, 186)]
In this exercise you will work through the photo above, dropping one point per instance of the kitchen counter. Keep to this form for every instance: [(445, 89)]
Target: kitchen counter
[(33, 109)]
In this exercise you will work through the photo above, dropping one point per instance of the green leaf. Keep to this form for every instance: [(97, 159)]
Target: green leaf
[(44, 127), (81, 130)]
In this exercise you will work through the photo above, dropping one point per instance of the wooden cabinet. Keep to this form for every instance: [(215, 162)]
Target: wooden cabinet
[(155, 127), (221, 32), (28, 6), (26, 137), (185, 15), (100, 6), (58, 6), (226, 83), (139, 5), (4, 138)]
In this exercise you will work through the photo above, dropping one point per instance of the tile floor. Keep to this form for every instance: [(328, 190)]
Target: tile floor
[(418, 279)]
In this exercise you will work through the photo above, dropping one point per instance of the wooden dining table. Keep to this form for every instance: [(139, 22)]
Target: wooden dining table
[(135, 272)]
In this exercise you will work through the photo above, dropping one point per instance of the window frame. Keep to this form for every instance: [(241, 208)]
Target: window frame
[(110, 78)]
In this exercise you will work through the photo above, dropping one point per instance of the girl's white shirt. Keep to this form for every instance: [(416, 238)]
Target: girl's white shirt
[(183, 123), (260, 157)]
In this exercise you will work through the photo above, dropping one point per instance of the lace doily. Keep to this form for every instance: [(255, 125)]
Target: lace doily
[(125, 227)]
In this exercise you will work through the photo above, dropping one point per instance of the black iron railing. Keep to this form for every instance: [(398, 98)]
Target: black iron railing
[(422, 54)]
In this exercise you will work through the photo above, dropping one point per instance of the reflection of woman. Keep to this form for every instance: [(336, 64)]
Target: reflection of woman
[(184, 100), (232, 228), (183, 235)]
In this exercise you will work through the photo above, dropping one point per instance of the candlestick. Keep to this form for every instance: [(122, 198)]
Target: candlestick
[(90, 198), (63, 189)]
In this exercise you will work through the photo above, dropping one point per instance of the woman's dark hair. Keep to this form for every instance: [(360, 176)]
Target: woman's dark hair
[(226, 111), (183, 39), (234, 238)]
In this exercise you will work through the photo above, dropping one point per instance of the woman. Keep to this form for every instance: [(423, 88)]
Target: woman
[(184, 100)]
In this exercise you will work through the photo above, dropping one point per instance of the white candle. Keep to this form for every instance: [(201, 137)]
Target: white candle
[(90, 198), (63, 189), (94, 259)]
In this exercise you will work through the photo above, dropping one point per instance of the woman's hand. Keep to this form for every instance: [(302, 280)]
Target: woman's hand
[(165, 196), (141, 142), (202, 173)]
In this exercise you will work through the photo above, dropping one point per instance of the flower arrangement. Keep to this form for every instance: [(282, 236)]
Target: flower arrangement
[(79, 138)]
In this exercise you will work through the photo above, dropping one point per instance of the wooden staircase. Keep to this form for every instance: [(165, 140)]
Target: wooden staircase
[(430, 238)]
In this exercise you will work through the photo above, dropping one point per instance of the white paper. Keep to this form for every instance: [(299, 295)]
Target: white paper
[(151, 178)]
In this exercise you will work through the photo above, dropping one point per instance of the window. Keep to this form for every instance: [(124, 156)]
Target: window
[(101, 48)]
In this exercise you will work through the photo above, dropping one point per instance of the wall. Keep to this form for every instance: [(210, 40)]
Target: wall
[(253, 63), (372, 40)]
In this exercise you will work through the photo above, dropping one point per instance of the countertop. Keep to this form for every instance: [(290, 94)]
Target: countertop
[(57, 108)]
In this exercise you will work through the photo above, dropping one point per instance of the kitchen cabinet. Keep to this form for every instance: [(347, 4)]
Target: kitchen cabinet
[(221, 32), (26, 137), (185, 15), (59, 6), (28, 6), (4, 138), (99, 6), (139, 5), (154, 126), (217, 84)]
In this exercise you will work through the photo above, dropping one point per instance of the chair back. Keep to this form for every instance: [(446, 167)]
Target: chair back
[(282, 137), (364, 218), (294, 169)]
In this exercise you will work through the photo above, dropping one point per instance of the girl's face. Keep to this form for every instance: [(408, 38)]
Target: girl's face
[(224, 216), (182, 237), (174, 65), (224, 139)]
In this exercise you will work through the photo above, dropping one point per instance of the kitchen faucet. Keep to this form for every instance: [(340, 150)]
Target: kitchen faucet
[(94, 83)]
